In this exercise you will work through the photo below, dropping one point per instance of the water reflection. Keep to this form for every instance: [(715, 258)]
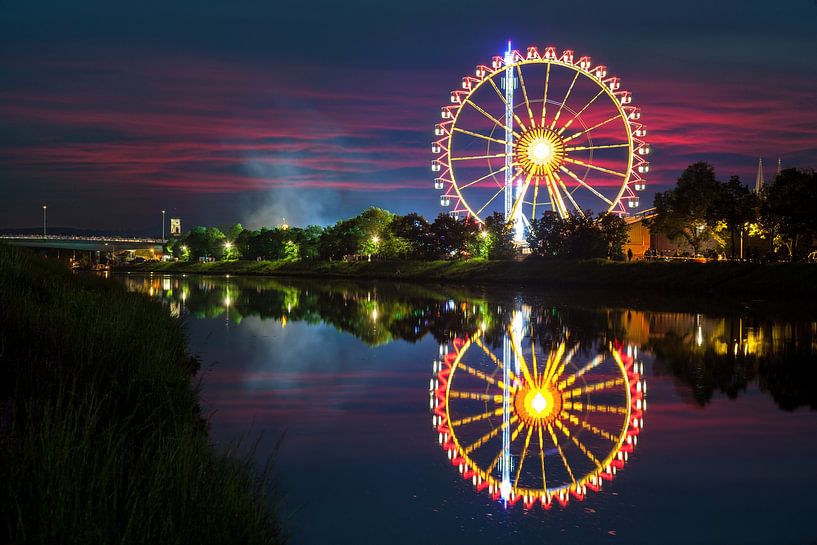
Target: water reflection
[(705, 354), (537, 422), (347, 369)]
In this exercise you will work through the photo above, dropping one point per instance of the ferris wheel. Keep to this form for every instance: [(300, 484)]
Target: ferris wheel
[(537, 427), (543, 131)]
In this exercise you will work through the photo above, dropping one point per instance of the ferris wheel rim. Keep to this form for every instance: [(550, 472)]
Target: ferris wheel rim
[(578, 487), (605, 84)]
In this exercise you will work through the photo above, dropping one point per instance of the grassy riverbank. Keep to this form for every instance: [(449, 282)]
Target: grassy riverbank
[(101, 440), (793, 279)]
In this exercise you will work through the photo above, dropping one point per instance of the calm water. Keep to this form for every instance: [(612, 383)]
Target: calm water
[(427, 414)]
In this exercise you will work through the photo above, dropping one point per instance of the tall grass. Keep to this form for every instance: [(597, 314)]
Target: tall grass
[(101, 438)]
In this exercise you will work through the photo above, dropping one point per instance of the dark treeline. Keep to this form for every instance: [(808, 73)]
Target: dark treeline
[(712, 216), (702, 215), (379, 234)]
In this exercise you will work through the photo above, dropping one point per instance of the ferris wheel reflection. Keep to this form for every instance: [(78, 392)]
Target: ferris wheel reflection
[(537, 424)]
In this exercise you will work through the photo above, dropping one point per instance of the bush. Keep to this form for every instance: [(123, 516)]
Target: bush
[(101, 438)]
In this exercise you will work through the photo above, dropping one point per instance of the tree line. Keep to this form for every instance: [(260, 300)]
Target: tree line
[(380, 234), (712, 216)]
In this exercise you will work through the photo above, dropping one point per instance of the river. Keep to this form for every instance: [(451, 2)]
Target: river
[(416, 414)]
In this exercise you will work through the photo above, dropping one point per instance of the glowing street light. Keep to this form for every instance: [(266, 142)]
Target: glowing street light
[(163, 226), (375, 241), (44, 216)]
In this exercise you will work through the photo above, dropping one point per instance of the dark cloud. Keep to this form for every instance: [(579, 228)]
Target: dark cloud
[(243, 112)]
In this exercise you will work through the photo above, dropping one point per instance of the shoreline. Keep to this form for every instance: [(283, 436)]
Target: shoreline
[(733, 278), (102, 434)]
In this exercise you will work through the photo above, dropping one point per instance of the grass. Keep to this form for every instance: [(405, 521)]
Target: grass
[(772, 279), (101, 438)]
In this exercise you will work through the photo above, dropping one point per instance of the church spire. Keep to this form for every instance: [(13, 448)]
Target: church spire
[(779, 166), (759, 181)]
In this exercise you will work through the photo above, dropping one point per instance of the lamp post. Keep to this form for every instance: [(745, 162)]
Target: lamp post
[(163, 225), (44, 219), (375, 241)]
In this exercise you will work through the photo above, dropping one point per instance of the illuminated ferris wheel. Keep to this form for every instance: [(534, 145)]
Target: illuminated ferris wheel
[(535, 427), (538, 132)]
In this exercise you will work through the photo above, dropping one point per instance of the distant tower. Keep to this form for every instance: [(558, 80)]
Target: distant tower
[(779, 166), (175, 227), (759, 181)]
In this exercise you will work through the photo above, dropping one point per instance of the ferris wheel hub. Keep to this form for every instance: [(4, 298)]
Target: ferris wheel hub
[(538, 405), (539, 151)]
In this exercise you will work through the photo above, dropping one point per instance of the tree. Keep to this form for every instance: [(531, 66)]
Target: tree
[(579, 236), (448, 237), (547, 234), (736, 206), (615, 233), (204, 242), (500, 243), (685, 212), (234, 232), (788, 209), (415, 230), (584, 239)]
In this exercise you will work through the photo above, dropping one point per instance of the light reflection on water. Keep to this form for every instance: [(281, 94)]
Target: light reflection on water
[(356, 372)]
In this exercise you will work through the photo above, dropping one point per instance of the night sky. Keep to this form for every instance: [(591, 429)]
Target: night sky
[(251, 111)]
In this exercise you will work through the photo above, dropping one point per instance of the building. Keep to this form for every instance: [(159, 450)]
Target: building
[(175, 227), (641, 239)]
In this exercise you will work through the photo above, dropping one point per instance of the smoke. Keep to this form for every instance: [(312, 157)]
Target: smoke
[(296, 207)]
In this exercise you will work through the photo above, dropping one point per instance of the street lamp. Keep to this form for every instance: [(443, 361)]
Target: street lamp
[(163, 226), (375, 241), (44, 217)]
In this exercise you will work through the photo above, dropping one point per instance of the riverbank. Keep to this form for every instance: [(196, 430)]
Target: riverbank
[(101, 436), (782, 279)]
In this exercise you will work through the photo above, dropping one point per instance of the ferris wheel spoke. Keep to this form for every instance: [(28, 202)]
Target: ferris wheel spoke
[(594, 127), (564, 101), (524, 364), (522, 457), (532, 217), (494, 462), (477, 396), (594, 408), (572, 119), (561, 452), (545, 96), (584, 148), (595, 430), (532, 345), (521, 194), (496, 360), (559, 201), (582, 447), (469, 184), (525, 95), (478, 135), (490, 117), (480, 375), (570, 379), (505, 102), (594, 167), (488, 436), (554, 358), (484, 206), (585, 184), (542, 457), (476, 418), (595, 387), (569, 194), (474, 157)]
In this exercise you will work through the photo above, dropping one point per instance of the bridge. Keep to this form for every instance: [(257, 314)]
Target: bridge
[(106, 244)]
